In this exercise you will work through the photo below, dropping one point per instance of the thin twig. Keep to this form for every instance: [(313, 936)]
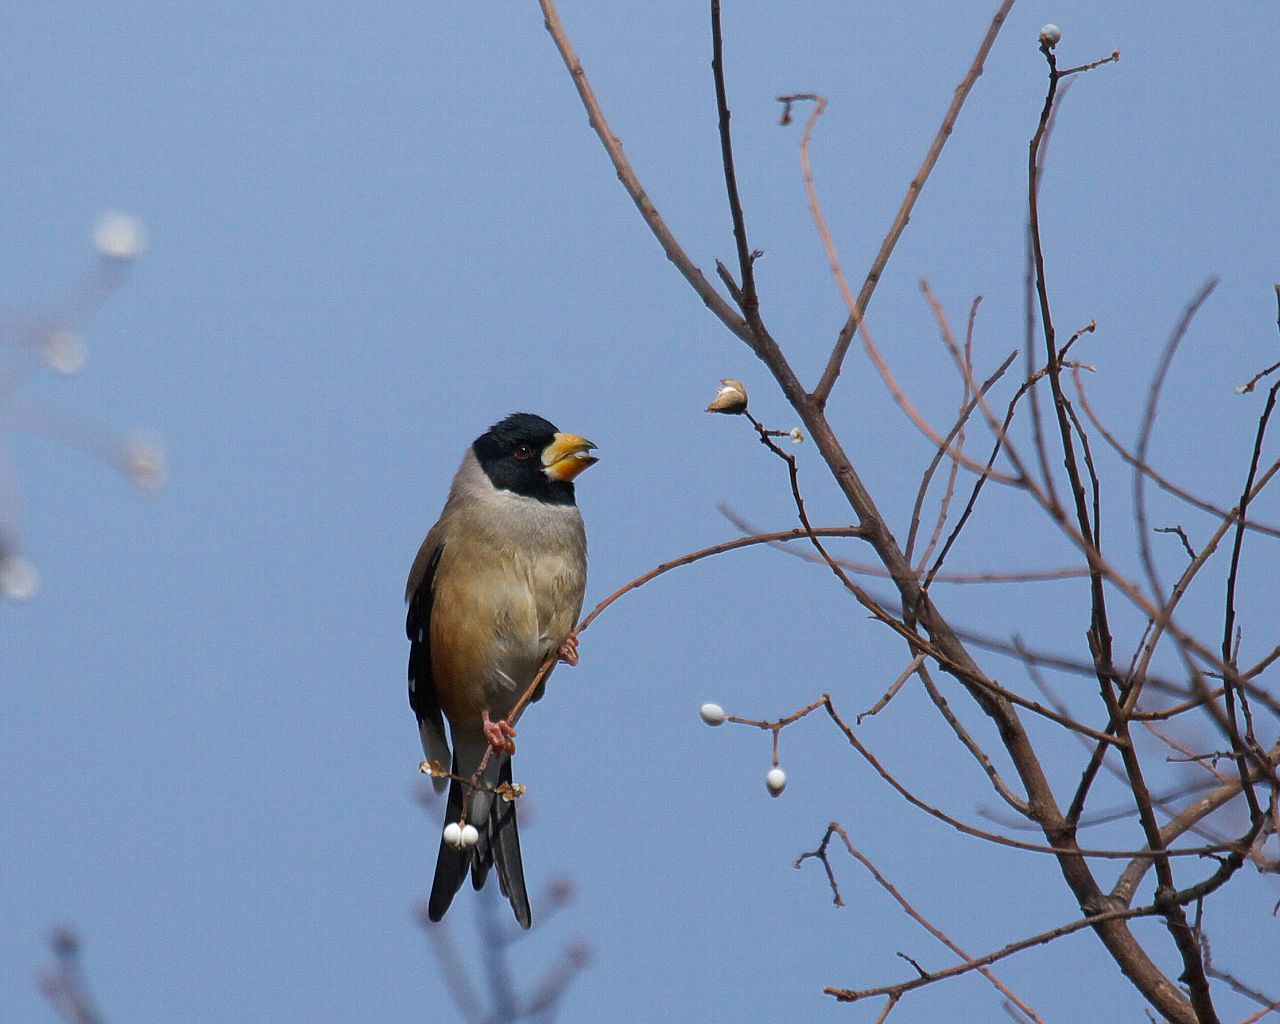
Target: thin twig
[(894, 687), (1253, 381), (962, 734), (1099, 634), (1176, 709), (1182, 536), (821, 854), (64, 984), (627, 175), (746, 296), (858, 308), (1253, 1018), (1157, 478), (1148, 425), (872, 349), (1264, 664), (944, 506), (848, 995), (1110, 59), (1231, 692), (1127, 884), (828, 705)]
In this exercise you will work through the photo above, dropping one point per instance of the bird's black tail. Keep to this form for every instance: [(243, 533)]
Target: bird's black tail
[(451, 863), (499, 846), (503, 852)]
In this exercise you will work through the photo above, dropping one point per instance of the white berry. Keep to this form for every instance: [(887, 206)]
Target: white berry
[(712, 714), (453, 835), (776, 780), (1049, 35), (470, 836)]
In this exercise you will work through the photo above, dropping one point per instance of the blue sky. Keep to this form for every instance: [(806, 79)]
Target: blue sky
[(375, 230)]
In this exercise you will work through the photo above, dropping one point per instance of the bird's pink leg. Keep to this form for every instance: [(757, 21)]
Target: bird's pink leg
[(568, 652), (501, 735)]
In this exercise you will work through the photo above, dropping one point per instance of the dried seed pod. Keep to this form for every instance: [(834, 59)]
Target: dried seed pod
[(731, 397)]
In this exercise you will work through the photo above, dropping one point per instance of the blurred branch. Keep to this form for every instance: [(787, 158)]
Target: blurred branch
[(872, 349), (1148, 425), (52, 341), (778, 541), (497, 1000), (64, 984)]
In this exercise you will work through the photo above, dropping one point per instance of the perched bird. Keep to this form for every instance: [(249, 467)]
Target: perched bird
[(495, 590)]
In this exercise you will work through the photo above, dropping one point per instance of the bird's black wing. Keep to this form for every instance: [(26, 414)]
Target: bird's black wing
[(417, 626)]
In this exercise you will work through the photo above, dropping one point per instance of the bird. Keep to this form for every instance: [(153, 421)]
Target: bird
[(495, 590)]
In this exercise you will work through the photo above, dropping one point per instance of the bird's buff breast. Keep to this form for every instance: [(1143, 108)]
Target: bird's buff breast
[(496, 618)]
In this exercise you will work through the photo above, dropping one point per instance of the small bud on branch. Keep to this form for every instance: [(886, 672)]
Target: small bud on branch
[(731, 397)]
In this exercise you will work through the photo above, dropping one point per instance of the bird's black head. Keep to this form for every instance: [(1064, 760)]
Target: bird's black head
[(526, 455)]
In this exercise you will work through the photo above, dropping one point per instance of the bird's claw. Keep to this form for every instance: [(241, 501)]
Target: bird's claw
[(568, 652), (501, 735)]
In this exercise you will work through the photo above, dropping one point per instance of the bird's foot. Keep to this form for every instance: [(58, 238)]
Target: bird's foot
[(501, 735), (568, 652)]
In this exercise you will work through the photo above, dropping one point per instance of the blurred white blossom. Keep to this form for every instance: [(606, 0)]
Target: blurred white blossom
[(19, 580), (64, 352), (118, 236), (146, 465)]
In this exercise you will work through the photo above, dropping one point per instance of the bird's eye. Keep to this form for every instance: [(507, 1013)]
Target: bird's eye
[(523, 452)]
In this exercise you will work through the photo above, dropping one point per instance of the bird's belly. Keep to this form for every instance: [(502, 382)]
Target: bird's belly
[(510, 675), (492, 630)]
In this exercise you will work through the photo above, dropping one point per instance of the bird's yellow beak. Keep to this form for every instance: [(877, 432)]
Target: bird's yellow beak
[(566, 457)]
